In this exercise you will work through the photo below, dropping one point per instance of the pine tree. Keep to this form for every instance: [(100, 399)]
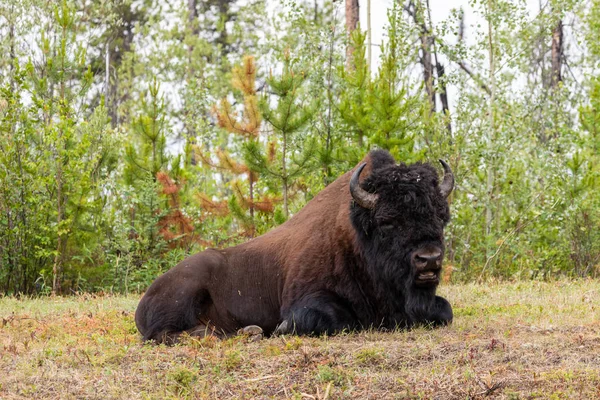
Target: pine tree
[(392, 108), (290, 149), (378, 111), (245, 128), (174, 226), (354, 97), (57, 199), (145, 157)]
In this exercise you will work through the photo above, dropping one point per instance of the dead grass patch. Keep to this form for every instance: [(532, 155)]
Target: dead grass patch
[(509, 341)]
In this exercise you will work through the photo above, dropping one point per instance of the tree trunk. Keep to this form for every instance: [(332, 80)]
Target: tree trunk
[(330, 94), (9, 253), (13, 56), (12, 250), (443, 94), (119, 44), (285, 199), (556, 76), (369, 38), (557, 54), (416, 12), (107, 99), (192, 13), (285, 177), (57, 267), (352, 18), (440, 71), (194, 27), (427, 70), (251, 183), (60, 203), (224, 6), (491, 111)]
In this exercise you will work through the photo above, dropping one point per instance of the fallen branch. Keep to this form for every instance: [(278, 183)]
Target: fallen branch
[(262, 378)]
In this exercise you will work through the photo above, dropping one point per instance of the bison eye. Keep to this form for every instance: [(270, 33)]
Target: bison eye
[(386, 227)]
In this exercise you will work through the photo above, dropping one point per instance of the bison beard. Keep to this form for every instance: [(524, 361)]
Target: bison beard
[(359, 255)]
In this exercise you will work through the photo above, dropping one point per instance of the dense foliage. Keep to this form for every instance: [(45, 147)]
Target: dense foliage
[(134, 133)]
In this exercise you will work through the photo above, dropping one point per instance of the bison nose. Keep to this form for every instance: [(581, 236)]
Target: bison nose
[(430, 260)]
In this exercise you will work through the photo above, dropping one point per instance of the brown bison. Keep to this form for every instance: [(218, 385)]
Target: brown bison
[(365, 252)]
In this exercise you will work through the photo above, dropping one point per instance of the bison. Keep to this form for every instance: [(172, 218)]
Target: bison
[(366, 252)]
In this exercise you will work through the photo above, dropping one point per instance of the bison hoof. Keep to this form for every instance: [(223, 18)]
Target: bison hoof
[(255, 338), (250, 330), (282, 328), (254, 333)]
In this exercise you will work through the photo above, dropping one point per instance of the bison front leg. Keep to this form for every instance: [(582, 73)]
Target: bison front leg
[(315, 314), (441, 313), (426, 310)]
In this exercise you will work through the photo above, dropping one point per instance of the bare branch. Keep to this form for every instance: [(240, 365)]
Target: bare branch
[(474, 76)]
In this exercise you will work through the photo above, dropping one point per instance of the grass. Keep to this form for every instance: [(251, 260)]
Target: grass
[(524, 340)]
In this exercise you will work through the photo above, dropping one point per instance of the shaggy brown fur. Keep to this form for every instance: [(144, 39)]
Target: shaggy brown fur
[(333, 266)]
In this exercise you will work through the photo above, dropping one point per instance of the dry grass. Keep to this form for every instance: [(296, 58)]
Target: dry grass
[(509, 341)]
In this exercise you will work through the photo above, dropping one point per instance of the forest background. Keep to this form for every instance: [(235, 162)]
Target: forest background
[(133, 133)]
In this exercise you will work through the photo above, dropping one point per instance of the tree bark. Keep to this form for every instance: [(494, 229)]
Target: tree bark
[(284, 177), (119, 41), (192, 11), (251, 194), (427, 70), (107, 99), (60, 203), (440, 71), (195, 29), (443, 94), (557, 54), (369, 38), (352, 18), (224, 12), (416, 12), (57, 267), (490, 184)]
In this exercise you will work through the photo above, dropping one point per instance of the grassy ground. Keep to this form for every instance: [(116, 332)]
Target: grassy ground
[(508, 341)]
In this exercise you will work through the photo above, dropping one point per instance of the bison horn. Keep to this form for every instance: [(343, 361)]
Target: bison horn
[(361, 196), (448, 183)]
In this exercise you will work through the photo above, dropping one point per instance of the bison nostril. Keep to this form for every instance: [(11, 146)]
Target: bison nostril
[(431, 260)]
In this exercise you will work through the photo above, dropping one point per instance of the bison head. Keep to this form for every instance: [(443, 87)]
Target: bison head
[(399, 212)]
